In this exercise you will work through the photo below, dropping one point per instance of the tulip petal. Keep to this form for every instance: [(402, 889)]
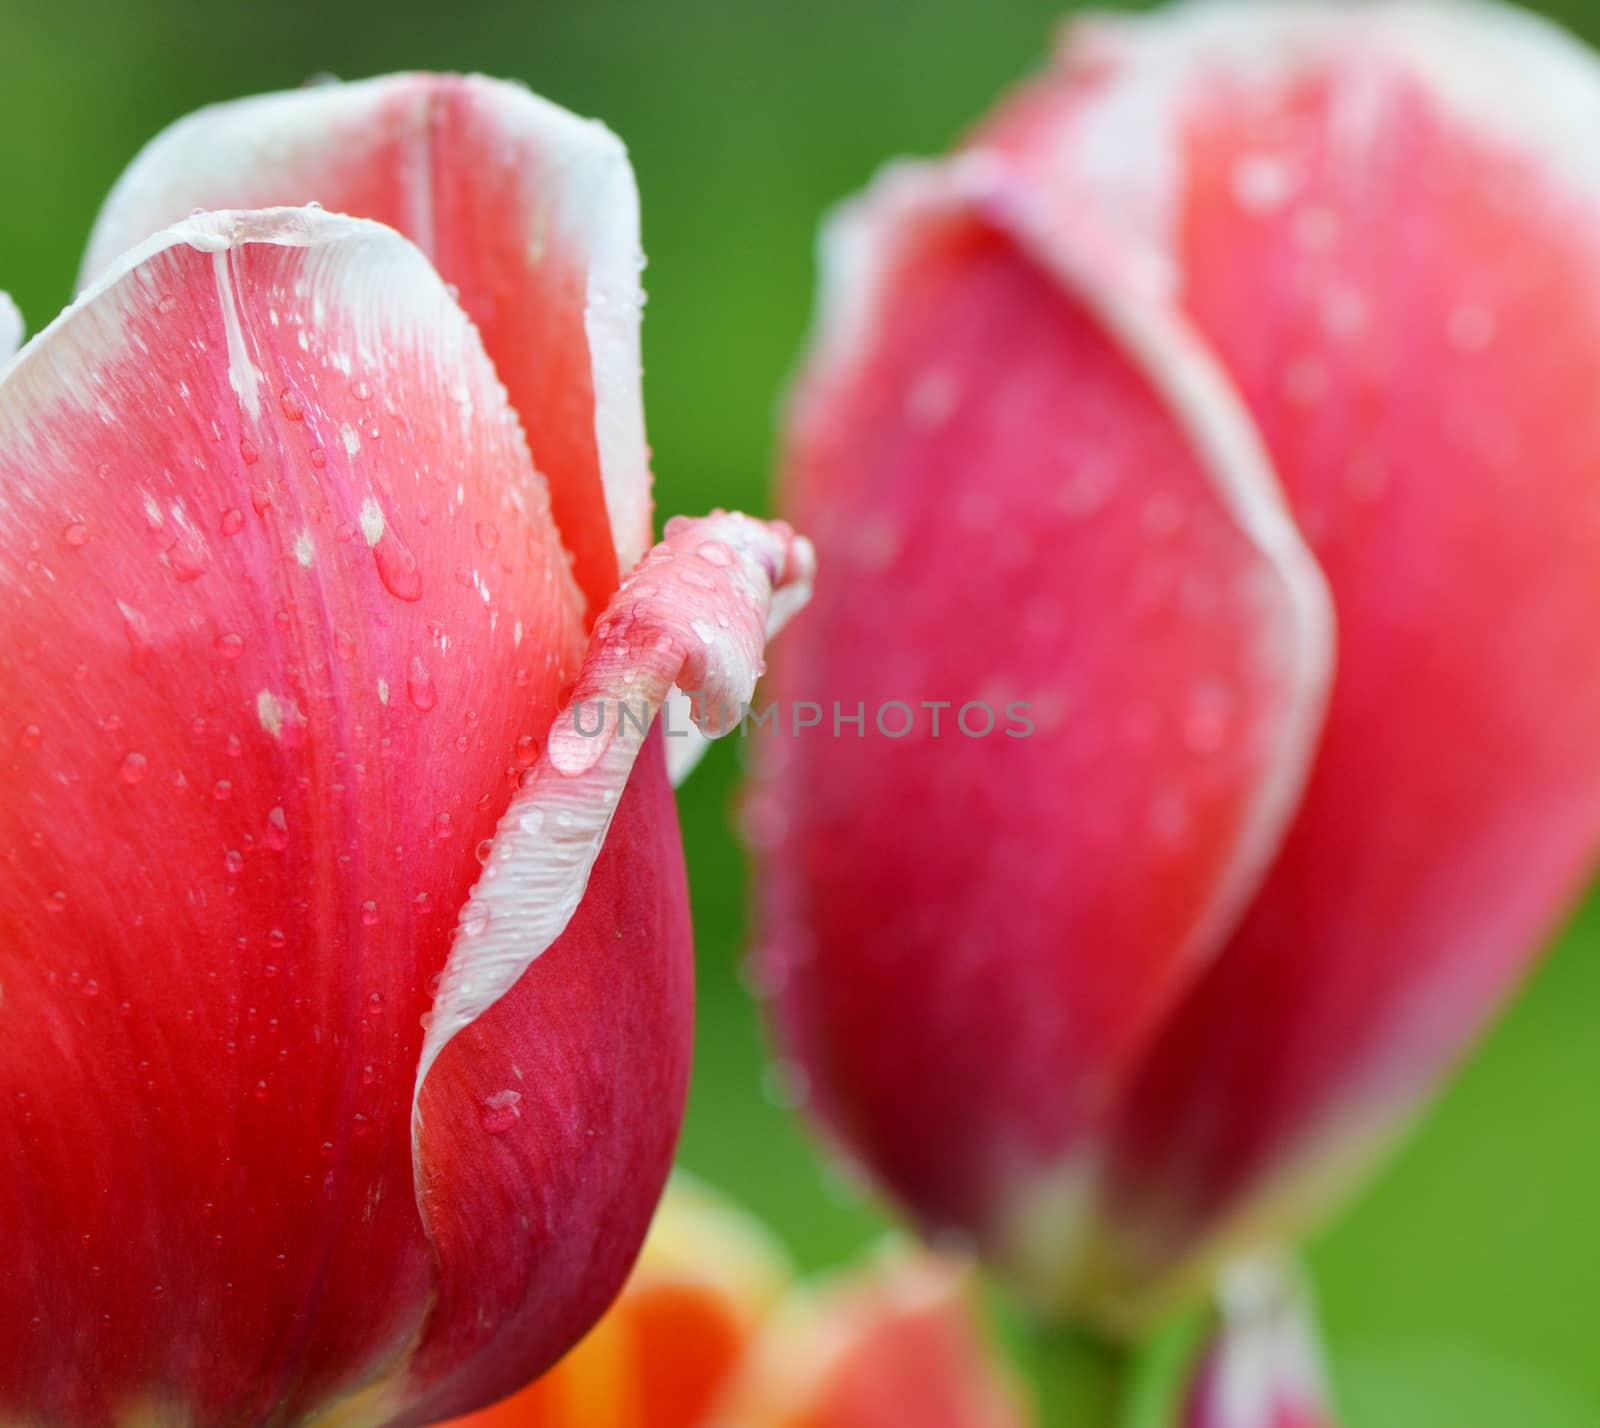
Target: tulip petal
[(1264, 1369), (692, 613), (260, 687), (530, 212), (705, 1281), (1088, 529), (1404, 284), (895, 1343), (11, 328)]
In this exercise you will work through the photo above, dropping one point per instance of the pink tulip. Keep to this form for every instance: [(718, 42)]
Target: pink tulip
[(1228, 401), (345, 979)]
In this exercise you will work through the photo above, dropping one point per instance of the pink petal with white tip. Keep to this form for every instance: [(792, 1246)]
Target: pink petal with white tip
[(530, 212), (263, 690), (969, 939), (1403, 282)]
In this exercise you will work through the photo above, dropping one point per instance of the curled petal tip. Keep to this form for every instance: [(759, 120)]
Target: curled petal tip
[(695, 613)]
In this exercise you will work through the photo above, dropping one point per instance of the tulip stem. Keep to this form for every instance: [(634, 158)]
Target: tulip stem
[(1080, 1379)]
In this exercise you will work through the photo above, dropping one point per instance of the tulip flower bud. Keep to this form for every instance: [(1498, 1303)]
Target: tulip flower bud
[(1223, 408), (345, 986)]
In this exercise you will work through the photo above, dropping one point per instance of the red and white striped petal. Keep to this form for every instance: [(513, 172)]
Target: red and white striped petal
[(694, 614), (1027, 489), (528, 211), (282, 608), (1403, 282)]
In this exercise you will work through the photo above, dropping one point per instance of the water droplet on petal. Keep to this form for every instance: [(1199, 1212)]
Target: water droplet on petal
[(293, 408), (232, 521), (134, 767), (276, 834), (75, 535), (249, 453), (420, 687), (230, 647), (442, 827), (397, 567), (501, 1111)]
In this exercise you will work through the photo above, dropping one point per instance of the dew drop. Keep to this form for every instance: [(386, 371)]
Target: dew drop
[(248, 451), (232, 521), (420, 688), (319, 457), (133, 769), (441, 826), (276, 835), (230, 646), (488, 535), (233, 861), (75, 535), (369, 913), (500, 1111), (527, 751), (397, 567), (223, 790), (483, 850), (344, 645), (293, 408), (29, 737)]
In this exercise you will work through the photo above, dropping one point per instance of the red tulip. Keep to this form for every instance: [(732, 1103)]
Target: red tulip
[(285, 629), (1237, 310)]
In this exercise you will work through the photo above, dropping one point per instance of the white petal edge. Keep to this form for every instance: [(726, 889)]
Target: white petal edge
[(693, 613), (859, 249), (380, 277), (207, 152), (11, 329), (1517, 79)]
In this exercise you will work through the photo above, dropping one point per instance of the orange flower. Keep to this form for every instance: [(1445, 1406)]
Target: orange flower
[(712, 1331)]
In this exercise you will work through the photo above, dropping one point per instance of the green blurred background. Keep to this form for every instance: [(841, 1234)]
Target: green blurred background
[(1461, 1290)]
